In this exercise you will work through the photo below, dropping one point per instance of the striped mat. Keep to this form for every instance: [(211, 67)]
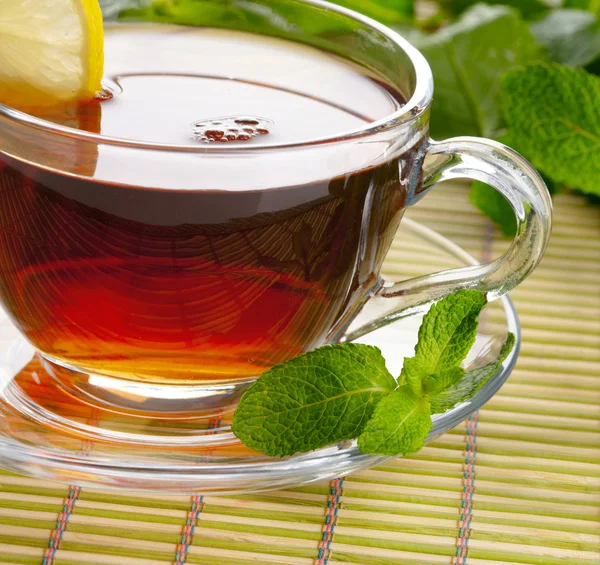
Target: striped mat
[(518, 483)]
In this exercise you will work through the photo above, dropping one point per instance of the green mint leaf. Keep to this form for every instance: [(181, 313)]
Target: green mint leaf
[(322, 397), (437, 383), (594, 68), (409, 32), (553, 187), (497, 208), (416, 376), (446, 335), (589, 5), (413, 374), (399, 425), (494, 205), (529, 9), (553, 113), (472, 381), (388, 12), (467, 58), (266, 17), (571, 37)]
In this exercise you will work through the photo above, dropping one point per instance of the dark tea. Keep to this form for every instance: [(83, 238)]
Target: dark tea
[(176, 285)]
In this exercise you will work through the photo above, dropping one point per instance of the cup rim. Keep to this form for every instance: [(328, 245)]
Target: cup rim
[(409, 112)]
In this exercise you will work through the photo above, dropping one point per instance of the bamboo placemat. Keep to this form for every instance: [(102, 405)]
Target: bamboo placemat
[(519, 483)]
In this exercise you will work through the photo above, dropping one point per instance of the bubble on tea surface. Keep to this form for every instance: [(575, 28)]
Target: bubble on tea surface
[(230, 128)]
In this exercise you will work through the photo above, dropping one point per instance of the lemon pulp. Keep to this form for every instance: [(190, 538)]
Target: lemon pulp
[(51, 51)]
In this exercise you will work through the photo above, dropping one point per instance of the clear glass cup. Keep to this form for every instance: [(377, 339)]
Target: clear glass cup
[(334, 305)]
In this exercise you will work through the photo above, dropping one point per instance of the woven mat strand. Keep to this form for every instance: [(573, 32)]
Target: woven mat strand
[(519, 483)]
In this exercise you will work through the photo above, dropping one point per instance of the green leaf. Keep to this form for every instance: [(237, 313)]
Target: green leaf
[(259, 16), (572, 37), (319, 398), (494, 205), (467, 58), (589, 5), (414, 373), (553, 188), (409, 32), (446, 335), (594, 67), (399, 426), (388, 12), (436, 383), (553, 113), (420, 382), (471, 382), (497, 208), (529, 9)]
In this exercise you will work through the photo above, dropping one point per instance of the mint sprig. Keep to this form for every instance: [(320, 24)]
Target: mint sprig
[(322, 397), (341, 392)]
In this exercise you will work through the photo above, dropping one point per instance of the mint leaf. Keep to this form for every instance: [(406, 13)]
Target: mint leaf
[(467, 58), (471, 382), (388, 12), (529, 9), (594, 67), (413, 374), (280, 19), (446, 335), (494, 205), (322, 397), (399, 425), (553, 113), (572, 37), (590, 5), (436, 383), (420, 382)]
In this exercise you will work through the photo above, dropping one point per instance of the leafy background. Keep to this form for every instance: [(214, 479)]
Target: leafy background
[(523, 72)]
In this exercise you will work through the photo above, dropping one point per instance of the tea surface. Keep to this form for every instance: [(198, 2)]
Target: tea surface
[(166, 78)]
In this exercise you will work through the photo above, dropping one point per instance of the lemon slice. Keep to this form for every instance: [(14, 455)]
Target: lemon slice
[(50, 51)]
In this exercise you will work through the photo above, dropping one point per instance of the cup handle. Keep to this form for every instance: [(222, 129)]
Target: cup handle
[(513, 177)]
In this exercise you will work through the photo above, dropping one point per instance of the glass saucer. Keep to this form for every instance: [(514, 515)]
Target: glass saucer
[(46, 432)]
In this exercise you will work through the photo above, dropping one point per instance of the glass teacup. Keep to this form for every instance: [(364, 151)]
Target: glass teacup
[(157, 273)]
